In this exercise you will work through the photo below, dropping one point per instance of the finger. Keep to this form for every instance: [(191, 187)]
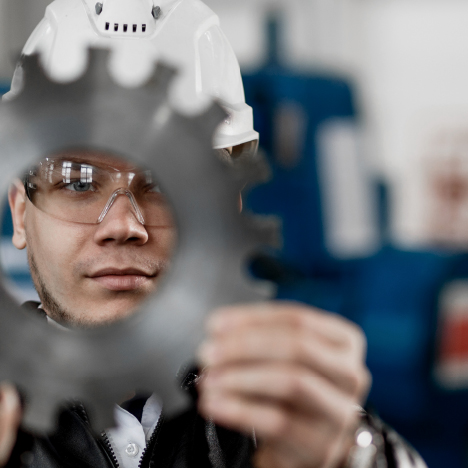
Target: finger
[(345, 368), (285, 385), (316, 441), (268, 456), (10, 417), (285, 315)]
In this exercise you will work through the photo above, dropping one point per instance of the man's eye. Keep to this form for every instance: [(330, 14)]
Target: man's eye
[(80, 187)]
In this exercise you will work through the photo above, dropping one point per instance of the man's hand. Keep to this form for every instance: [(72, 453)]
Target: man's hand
[(10, 418), (291, 373)]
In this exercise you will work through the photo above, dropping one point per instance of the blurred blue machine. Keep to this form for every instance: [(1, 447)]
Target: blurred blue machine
[(392, 294)]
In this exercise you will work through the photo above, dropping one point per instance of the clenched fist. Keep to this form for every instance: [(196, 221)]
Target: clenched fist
[(291, 373)]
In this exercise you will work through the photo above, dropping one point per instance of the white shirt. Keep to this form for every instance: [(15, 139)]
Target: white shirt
[(129, 438)]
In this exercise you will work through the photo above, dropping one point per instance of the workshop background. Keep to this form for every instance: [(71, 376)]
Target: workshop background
[(362, 107)]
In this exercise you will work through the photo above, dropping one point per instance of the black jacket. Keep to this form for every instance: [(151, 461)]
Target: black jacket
[(187, 441)]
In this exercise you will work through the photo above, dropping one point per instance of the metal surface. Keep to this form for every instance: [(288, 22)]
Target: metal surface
[(208, 269)]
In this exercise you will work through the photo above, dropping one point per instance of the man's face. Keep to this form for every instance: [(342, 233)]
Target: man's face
[(91, 274)]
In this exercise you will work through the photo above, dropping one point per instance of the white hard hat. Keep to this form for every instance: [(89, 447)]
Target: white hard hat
[(182, 33)]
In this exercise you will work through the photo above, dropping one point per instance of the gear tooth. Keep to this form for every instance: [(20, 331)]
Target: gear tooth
[(31, 63), (208, 121), (162, 77), (246, 287), (101, 414), (257, 169), (169, 391), (97, 59), (97, 69), (34, 75), (40, 414), (174, 401), (262, 289), (266, 229)]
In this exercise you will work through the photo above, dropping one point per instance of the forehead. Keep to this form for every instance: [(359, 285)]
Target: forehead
[(97, 158)]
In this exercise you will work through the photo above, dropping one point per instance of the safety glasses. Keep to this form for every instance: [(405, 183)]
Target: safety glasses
[(84, 193)]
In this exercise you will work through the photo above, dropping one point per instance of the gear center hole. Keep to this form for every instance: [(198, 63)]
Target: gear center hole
[(98, 232)]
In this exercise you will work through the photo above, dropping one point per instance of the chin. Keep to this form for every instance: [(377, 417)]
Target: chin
[(114, 314), (106, 315)]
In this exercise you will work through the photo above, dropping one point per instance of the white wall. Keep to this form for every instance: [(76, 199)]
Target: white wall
[(319, 33), (413, 70)]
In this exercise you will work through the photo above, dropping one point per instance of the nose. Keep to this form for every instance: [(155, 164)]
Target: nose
[(121, 224)]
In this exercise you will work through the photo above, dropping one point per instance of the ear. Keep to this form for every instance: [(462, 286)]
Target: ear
[(17, 201)]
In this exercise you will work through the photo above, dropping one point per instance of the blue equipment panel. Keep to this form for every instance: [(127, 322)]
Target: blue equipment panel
[(393, 294)]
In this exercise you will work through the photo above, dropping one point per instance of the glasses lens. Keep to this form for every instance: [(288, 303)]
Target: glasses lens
[(84, 193), (151, 201)]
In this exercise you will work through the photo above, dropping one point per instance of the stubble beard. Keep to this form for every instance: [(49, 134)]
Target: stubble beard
[(57, 311), (53, 308)]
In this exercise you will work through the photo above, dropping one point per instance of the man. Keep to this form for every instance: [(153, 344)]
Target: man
[(292, 374)]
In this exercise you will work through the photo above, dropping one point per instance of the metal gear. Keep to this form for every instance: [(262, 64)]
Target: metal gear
[(208, 270)]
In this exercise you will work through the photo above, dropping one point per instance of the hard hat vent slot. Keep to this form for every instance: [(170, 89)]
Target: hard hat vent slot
[(124, 17), (125, 27)]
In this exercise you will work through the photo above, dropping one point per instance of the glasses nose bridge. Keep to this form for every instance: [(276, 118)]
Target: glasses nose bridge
[(113, 197), (122, 179)]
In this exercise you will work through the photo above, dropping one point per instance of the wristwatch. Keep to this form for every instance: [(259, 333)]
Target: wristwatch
[(368, 450), (377, 445)]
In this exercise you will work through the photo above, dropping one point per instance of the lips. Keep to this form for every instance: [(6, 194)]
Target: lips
[(127, 279)]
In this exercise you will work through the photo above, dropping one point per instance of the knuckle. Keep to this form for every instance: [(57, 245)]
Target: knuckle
[(298, 348), (359, 335), (355, 377), (348, 417), (294, 387), (297, 319), (280, 426), (360, 381), (355, 382), (356, 339)]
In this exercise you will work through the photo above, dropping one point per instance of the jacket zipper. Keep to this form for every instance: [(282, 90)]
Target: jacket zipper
[(109, 449), (105, 442), (145, 456)]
